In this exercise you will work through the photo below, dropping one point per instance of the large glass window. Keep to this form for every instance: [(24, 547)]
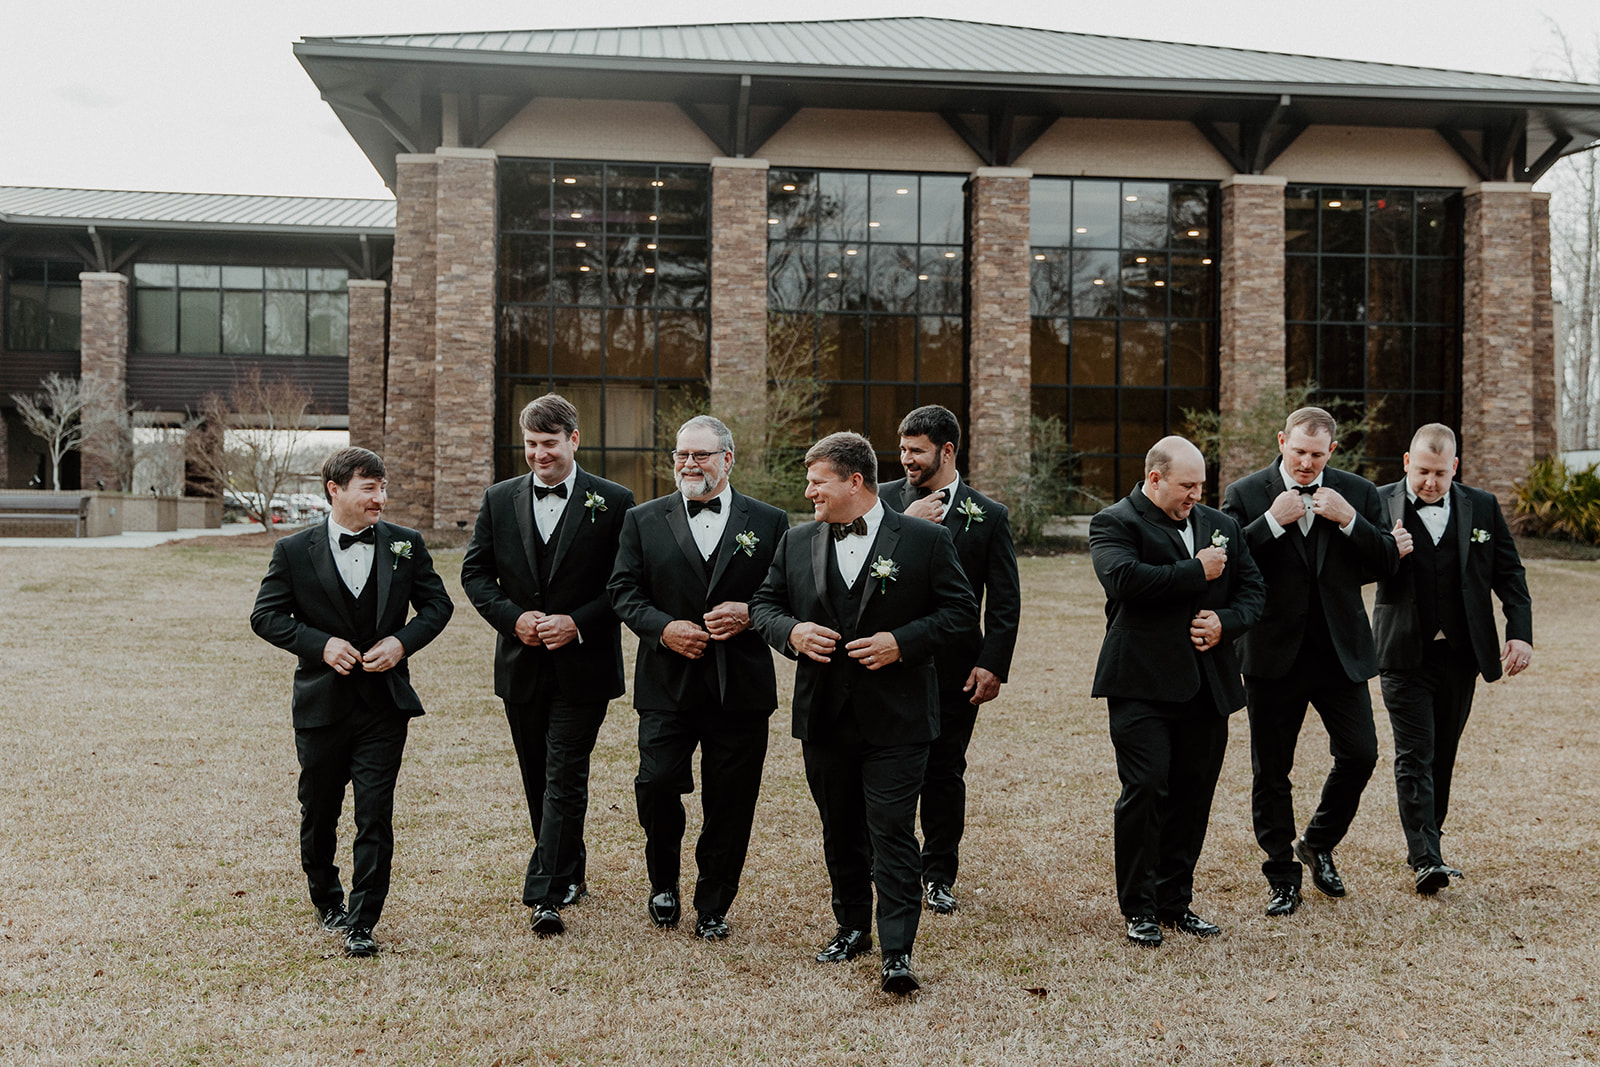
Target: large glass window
[(207, 309), (1373, 305), (1124, 308), (871, 268), (42, 305), (604, 294)]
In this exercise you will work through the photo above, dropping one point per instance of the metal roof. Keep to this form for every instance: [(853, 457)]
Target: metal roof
[(982, 52), (225, 212)]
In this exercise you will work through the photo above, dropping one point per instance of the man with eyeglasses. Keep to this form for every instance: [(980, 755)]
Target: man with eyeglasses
[(687, 564)]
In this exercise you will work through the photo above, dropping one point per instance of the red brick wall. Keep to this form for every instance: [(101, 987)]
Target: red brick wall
[(738, 289), (999, 363), (369, 305), (104, 346), (1545, 441), (408, 409), (1250, 277)]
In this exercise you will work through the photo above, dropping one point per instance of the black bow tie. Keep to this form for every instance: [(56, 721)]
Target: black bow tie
[(1308, 490), (364, 537), (841, 530), (1421, 503), (940, 493), (542, 491), (713, 505)]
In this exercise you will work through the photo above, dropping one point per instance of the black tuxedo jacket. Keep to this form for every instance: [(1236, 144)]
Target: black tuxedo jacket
[(1153, 588), (500, 574), (1344, 563), (301, 604), (989, 560), (929, 608), (660, 577), (1491, 564)]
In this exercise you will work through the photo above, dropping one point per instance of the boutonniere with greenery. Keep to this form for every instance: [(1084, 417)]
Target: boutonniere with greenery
[(594, 502), (399, 550), (747, 541), (972, 511), (1480, 537), (1218, 540), (885, 570)]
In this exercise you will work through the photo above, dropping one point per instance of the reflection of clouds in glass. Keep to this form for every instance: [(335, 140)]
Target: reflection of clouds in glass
[(91, 96)]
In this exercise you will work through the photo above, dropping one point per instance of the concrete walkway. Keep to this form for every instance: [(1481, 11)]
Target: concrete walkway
[(128, 540)]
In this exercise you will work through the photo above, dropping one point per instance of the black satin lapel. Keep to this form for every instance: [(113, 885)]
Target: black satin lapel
[(954, 520), (522, 504), (582, 516), (328, 575), (882, 548), (1202, 531), (1397, 505), (737, 513), (384, 562), (678, 523), (1461, 507), (819, 564), (908, 495)]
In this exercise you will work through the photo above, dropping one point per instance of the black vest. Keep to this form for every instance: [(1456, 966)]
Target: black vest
[(363, 611), (1436, 577), (544, 552), (1316, 653), (845, 603)]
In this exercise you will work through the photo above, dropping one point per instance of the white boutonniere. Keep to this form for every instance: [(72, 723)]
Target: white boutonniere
[(885, 570), (972, 511), (594, 502), (747, 541), (1480, 537), (1218, 540), (399, 550)]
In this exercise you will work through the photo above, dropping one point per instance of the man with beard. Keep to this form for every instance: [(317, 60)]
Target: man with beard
[(687, 564)]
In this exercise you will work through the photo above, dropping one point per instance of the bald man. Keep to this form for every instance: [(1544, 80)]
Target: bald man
[(1180, 586)]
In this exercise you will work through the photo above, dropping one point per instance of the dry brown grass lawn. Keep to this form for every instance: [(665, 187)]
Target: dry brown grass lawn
[(152, 909)]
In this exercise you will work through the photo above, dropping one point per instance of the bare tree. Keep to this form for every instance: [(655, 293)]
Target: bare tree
[(1574, 184), (259, 454), (64, 413)]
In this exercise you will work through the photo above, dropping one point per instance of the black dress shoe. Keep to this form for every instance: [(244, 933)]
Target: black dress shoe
[(334, 918), (576, 892), (1144, 931), (546, 920), (1434, 877), (1284, 899), (898, 977), (711, 927), (940, 898), (1324, 875), (663, 908), (1190, 923), (358, 942), (846, 945)]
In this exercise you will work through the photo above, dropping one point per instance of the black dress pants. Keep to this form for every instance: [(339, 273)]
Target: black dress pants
[(1277, 711), (363, 751), (1428, 709), (733, 749), (944, 790), (1168, 758), (554, 739)]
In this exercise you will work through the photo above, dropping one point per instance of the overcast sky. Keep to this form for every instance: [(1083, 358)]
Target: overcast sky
[(208, 97)]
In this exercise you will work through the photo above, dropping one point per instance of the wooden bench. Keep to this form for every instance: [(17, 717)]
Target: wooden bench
[(47, 509)]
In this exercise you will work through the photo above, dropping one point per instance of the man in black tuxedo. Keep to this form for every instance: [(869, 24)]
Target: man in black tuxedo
[(1318, 535), (336, 595), (971, 676), (536, 569), (865, 600), (1181, 587), (685, 571), (1435, 630)]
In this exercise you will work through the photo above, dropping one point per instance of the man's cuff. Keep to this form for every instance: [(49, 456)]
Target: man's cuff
[(1274, 525), (1351, 525)]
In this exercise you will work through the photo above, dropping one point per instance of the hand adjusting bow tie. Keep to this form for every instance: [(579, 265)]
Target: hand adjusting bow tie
[(697, 506), (841, 530), (542, 491), (1308, 490), (364, 537)]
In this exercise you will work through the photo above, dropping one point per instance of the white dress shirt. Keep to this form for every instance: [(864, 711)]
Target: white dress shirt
[(1434, 518), (1308, 518), (708, 525), (949, 491), (852, 550), (547, 511), (354, 564)]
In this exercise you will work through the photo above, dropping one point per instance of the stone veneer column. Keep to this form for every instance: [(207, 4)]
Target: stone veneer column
[(368, 317), (408, 388), (999, 363), (1546, 440), (1497, 386), (739, 292), (1250, 279), (104, 369), (464, 334)]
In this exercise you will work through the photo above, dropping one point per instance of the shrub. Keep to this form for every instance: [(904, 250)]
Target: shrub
[(1558, 502), (1044, 485)]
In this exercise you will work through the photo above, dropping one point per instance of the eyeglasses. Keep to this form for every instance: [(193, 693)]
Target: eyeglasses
[(698, 457)]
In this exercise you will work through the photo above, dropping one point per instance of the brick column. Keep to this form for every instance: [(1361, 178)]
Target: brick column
[(104, 347), (999, 364), (408, 389), (1497, 363), (369, 307), (1250, 278), (739, 292), (5, 451), (1545, 384), (464, 334)]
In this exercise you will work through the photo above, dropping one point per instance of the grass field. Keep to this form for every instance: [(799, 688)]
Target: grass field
[(152, 910)]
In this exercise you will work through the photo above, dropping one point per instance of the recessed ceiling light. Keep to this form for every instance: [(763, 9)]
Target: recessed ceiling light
[(1081, 229), (1099, 281), (1206, 262), (650, 246), (1039, 256), (581, 244), (922, 277), (788, 188), (1141, 259), (583, 269), (772, 222), (1160, 284), (949, 255), (652, 218), (577, 214), (658, 184), (849, 251), (833, 274), (874, 225), (570, 181), (1194, 233), (1130, 198), (649, 270), (901, 192), (1336, 203)]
